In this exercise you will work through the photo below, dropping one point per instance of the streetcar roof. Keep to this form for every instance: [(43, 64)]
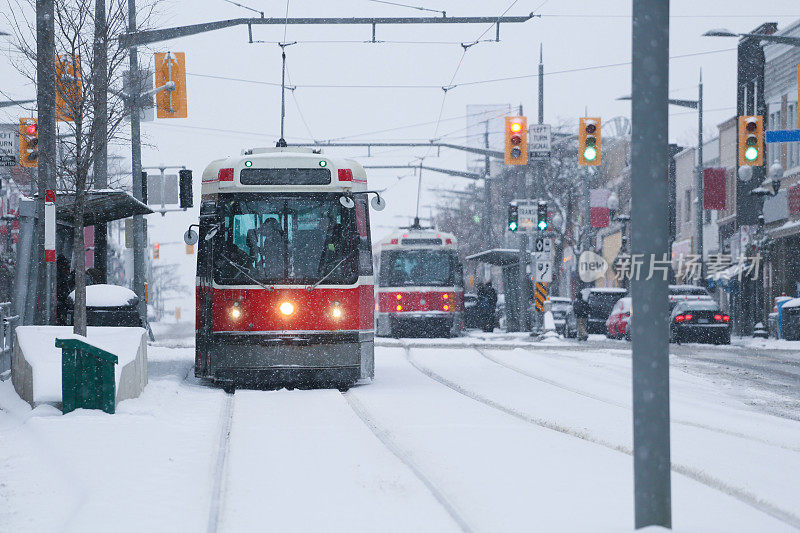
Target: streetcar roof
[(418, 238), (307, 170)]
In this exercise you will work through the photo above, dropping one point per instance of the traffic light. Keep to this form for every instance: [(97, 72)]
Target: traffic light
[(589, 141), (513, 217), (155, 250), (516, 152), (69, 86), (751, 141), (171, 66), (541, 212), (28, 142), (185, 188)]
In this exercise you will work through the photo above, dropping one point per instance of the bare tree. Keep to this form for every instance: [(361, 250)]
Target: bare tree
[(80, 141)]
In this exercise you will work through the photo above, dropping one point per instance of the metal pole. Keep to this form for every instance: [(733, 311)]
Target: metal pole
[(136, 168), (650, 236), (487, 208), (700, 210), (46, 103), (100, 82), (27, 210), (522, 300)]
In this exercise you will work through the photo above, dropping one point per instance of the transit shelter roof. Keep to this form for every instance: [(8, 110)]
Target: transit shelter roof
[(100, 206), (497, 256)]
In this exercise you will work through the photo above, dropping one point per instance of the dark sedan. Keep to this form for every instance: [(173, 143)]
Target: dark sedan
[(699, 321)]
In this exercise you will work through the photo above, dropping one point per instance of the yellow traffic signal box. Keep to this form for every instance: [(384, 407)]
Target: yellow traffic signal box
[(69, 86), (589, 141), (516, 147), (751, 140), (28, 142)]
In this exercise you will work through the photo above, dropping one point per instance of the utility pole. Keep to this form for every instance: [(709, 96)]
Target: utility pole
[(699, 187), (100, 82), (136, 167), (46, 104), (650, 241), (487, 208)]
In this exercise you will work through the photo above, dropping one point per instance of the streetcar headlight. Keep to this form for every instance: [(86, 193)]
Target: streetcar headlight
[(286, 308), (236, 311), (337, 310)]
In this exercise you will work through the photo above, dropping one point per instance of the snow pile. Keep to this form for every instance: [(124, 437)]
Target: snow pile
[(38, 343), (103, 295)]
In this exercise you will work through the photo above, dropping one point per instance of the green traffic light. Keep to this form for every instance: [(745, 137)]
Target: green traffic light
[(542, 225), (751, 153), (512, 226), (590, 153), (476, 219)]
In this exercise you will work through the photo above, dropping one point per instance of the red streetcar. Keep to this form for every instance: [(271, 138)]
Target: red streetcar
[(420, 284), (285, 290)]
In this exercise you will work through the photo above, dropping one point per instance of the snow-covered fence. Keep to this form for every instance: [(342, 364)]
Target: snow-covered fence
[(7, 321)]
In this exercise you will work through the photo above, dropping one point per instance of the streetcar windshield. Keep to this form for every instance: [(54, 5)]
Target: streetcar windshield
[(405, 268), (281, 239)]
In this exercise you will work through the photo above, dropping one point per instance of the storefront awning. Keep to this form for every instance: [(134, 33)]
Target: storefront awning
[(101, 206), (497, 256)]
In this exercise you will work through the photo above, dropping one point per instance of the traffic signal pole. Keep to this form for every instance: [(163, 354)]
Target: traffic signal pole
[(100, 111), (136, 168), (46, 179), (650, 238)]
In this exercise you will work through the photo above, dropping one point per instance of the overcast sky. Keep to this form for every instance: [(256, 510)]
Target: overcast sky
[(586, 48)]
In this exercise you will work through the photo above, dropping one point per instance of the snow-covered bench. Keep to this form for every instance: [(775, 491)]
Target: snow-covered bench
[(36, 362)]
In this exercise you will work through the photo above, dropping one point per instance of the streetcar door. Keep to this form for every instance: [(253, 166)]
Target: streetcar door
[(205, 292)]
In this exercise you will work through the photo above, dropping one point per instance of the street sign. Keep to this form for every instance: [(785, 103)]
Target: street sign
[(539, 138), (527, 212), (9, 138), (544, 270), (543, 244), (782, 136)]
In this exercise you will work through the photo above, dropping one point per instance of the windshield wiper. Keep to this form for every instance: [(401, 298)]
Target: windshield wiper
[(331, 271), (247, 275)]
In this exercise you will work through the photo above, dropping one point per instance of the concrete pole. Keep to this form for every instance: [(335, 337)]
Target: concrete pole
[(700, 210), (523, 298), (46, 104), (27, 210), (100, 103), (650, 239), (136, 168)]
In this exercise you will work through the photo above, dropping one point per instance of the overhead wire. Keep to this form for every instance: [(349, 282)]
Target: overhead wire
[(444, 13)]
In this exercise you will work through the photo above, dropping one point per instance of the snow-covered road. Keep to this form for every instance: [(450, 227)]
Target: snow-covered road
[(471, 434)]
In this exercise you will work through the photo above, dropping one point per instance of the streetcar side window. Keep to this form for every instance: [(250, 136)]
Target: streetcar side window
[(364, 240)]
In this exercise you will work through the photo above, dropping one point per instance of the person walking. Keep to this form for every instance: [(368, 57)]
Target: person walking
[(581, 310), (491, 305)]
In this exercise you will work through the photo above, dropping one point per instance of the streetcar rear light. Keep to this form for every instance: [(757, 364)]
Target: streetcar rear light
[(345, 174), (398, 296), (286, 308), (687, 317), (718, 318), (726, 318), (679, 318), (225, 174), (399, 308)]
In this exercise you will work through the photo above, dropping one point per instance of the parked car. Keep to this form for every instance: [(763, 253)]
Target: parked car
[(560, 307), (601, 301), (699, 321), (108, 305), (617, 323), (685, 293), (790, 319)]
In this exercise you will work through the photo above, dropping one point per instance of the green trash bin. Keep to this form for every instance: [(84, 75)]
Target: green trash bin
[(87, 376)]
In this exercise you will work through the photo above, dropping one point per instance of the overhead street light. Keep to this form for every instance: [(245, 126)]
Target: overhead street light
[(780, 39)]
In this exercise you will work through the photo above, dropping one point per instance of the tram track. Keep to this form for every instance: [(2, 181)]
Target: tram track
[(699, 476), (218, 487), (626, 407)]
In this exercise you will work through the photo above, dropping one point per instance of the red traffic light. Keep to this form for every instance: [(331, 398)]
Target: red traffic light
[(32, 129), (516, 127)]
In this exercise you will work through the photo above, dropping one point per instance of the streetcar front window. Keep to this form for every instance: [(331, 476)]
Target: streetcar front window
[(285, 240), (407, 268)]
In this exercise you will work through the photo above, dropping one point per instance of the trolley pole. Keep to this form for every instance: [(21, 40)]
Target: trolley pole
[(136, 168), (46, 179), (649, 239)]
